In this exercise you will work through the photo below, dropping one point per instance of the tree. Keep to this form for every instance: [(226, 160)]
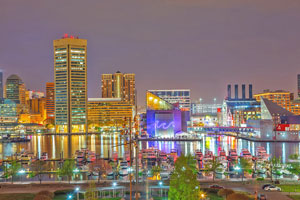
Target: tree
[(91, 192), (225, 192), (183, 182), (294, 157), (274, 166), (246, 166), (212, 166), (67, 169), (38, 168), (12, 170), (294, 168)]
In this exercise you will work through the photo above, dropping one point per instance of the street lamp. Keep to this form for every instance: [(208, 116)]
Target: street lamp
[(114, 184), (77, 192), (160, 183), (202, 196), (21, 172), (70, 196)]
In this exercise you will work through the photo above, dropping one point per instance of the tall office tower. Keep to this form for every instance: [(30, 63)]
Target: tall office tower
[(70, 84), (298, 85), (1, 84), (50, 107), (15, 89), (119, 85)]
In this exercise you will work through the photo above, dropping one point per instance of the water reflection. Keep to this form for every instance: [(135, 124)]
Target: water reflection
[(106, 145)]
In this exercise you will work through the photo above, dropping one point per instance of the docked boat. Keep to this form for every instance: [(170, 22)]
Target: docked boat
[(233, 155), (199, 154), (208, 156), (246, 154), (222, 156), (44, 156), (261, 153)]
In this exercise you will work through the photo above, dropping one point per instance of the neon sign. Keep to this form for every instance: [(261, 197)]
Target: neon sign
[(164, 125)]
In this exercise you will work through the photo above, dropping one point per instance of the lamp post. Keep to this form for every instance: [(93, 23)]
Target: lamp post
[(237, 168), (202, 196), (21, 172), (114, 184), (77, 192)]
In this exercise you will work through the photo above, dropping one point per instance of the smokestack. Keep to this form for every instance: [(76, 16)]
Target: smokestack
[(229, 92), (243, 91), (250, 91), (236, 91)]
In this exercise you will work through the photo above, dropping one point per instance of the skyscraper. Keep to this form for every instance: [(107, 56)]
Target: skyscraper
[(50, 107), (119, 85), (1, 84), (70, 78), (15, 89)]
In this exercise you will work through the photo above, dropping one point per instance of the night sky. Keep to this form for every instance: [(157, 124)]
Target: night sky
[(198, 44)]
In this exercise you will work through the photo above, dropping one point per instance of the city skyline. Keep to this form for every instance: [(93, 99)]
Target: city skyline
[(255, 45)]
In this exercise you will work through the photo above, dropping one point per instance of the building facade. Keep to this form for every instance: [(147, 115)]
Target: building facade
[(50, 107), (108, 112), (8, 111), (280, 97), (119, 85), (182, 97), (70, 79), (15, 89)]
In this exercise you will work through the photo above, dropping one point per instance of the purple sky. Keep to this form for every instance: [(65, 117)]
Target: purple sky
[(198, 44)]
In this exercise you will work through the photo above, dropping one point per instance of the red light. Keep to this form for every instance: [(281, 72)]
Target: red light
[(218, 110), (66, 35)]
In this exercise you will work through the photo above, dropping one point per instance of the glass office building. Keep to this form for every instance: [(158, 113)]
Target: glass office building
[(70, 72)]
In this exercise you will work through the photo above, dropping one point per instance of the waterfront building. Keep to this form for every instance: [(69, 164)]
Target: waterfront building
[(70, 79), (280, 97), (205, 115), (119, 85), (107, 113), (8, 111), (163, 118), (1, 85), (276, 121), (182, 97), (50, 107), (237, 111), (15, 89)]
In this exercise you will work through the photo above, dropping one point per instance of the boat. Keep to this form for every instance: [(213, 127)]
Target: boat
[(261, 153), (222, 156), (80, 157), (44, 156), (198, 154), (208, 155), (91, 156), (246, 154), (233, 155)]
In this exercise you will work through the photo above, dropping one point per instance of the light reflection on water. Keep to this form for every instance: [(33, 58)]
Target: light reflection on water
[(56, 146)]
